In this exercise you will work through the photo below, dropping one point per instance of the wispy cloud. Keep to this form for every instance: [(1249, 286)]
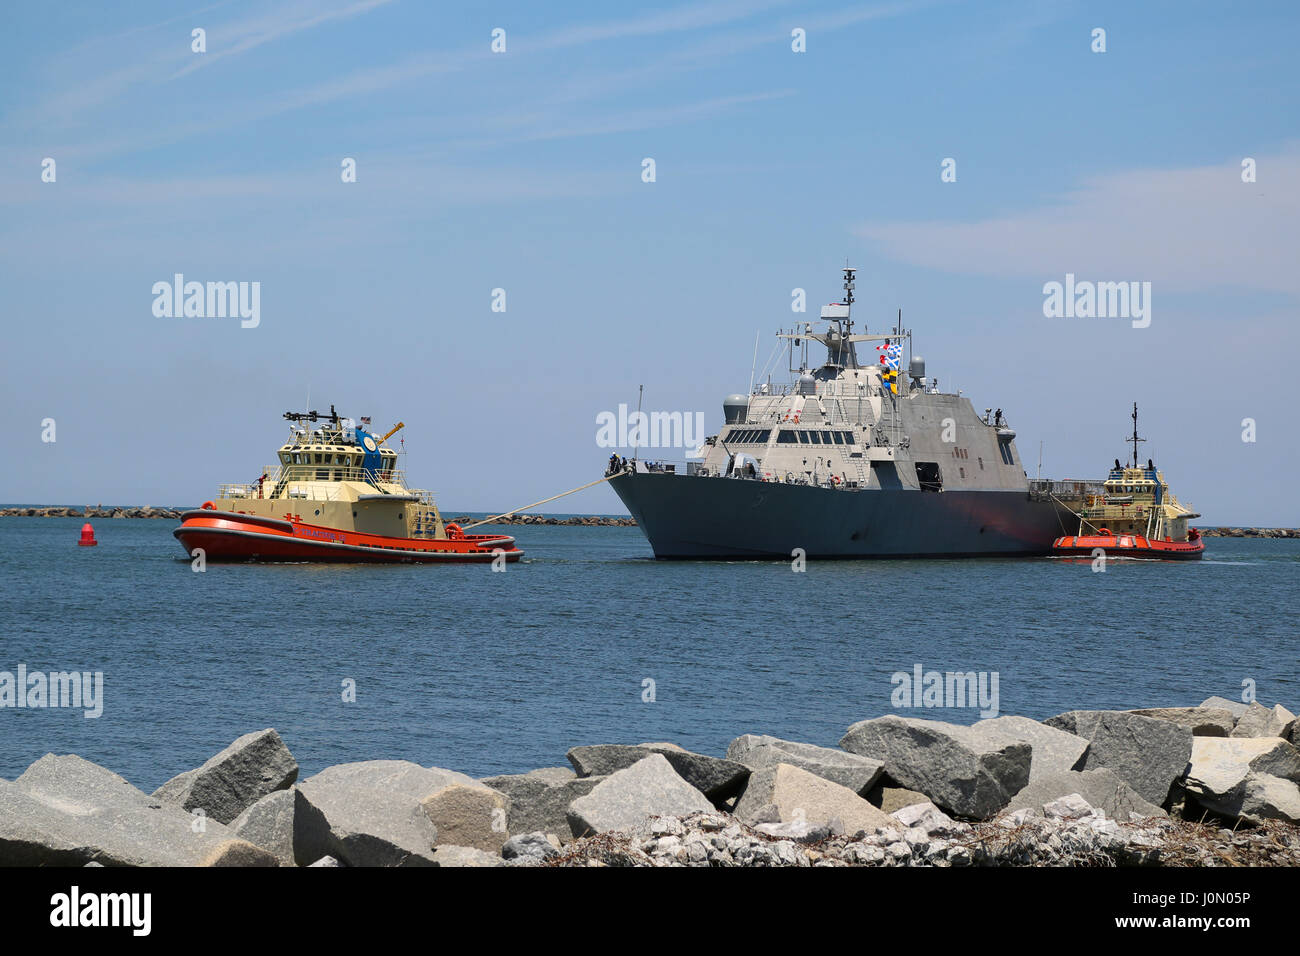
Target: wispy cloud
[(1193, 228), (165, 54), (248, 35)]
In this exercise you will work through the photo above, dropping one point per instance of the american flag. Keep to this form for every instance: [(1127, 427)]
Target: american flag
[(365, 419)]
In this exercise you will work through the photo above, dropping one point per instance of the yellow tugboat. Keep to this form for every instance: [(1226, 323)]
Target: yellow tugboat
[(336, 495), (1135, 516)]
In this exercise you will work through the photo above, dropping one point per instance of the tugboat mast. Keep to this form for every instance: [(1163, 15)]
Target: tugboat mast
[(1135, 438)]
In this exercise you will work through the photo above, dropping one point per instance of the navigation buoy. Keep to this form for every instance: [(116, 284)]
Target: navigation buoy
[(87, 536)]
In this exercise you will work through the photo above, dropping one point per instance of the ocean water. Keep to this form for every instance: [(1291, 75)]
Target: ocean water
[(490, 672)]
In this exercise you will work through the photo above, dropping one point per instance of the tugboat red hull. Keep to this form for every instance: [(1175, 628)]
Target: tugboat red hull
[(232, 536), (1130, 546)]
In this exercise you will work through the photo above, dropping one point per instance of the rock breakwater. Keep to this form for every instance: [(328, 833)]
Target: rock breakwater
[(1213, 784), (148, 511)]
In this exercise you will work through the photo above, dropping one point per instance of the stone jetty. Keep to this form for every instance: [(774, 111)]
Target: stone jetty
[(1215, 784), (1250, 532), (148, 511), (93, 511), (585, 521)]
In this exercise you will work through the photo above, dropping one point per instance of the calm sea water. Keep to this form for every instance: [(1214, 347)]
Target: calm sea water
[(490, 672)]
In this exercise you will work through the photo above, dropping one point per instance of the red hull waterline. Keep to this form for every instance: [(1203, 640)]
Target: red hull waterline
[(231, 536), (1130, 546)]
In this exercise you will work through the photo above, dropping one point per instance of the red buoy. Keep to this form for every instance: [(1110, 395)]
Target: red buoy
[(87, 536)]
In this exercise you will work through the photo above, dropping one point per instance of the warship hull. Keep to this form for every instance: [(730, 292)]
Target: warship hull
[(691, 517)]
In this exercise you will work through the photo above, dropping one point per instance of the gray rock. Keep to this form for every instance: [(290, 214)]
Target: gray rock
[(452, 855), (800, 831), (929, 820), (529, 846), (550, 776), (1261, 721), (717, 779), (1146, 753), (286, 824), (228, 784), (238, 853), (1103, 789), (375, 813), (1054, 750), (539, 800), (395, 776), (896, 798), (1234, 707), (77, 786), (1201, 721), (857, 773), (968, 771), (469, 815), (799, 795), (1250, 778), (1070, 807), (66, 811), (624, 799)]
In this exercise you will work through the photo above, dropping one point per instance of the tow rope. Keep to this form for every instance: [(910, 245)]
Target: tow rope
[(543, 501)]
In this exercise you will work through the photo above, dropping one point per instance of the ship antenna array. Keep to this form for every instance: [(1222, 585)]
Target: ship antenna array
[(1134, 439)]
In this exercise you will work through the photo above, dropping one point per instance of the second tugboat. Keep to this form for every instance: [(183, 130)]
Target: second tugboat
[(336, 495), (1136, 516)]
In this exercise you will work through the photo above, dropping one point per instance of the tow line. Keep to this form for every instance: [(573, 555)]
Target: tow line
[(543, 501)]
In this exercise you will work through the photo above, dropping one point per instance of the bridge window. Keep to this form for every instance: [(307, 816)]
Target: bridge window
[(787, 437)]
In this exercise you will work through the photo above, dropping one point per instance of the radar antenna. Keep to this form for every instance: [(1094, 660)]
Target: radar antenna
[(1135, 439)]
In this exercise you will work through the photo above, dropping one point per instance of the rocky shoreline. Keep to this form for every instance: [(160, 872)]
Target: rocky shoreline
[(586, 521), (148, 511), (1250, 532), (99, 511), (1209, 785)]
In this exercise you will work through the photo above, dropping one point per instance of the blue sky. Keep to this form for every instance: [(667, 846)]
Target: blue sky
[(522, 171)]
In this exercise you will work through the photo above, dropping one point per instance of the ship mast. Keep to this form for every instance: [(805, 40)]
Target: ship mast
[(1135, 438)]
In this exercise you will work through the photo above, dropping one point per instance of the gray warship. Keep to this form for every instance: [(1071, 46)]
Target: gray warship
[(852, 459)]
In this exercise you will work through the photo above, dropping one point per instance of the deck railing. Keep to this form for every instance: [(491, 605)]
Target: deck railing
[(316, 482)]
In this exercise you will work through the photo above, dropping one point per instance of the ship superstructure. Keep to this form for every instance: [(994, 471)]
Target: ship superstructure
[(862, 455), (335, 494)]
